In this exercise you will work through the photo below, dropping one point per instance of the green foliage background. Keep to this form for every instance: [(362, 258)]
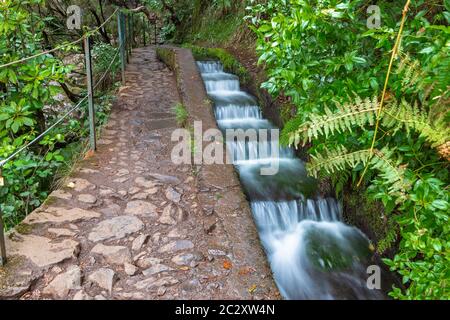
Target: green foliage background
[(323, 57)]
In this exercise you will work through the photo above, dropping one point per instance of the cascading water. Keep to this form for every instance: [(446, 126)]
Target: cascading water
[(313, 255)]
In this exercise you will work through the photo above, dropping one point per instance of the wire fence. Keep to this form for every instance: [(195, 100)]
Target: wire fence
[(126, 39)]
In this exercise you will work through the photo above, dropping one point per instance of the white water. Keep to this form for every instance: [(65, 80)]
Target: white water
[(313, 255)]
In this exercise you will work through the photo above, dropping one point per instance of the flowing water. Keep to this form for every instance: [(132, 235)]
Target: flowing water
[(312, 253)]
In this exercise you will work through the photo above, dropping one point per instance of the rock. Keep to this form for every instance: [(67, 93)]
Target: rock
[(165, 281), (63, 283), (191, 285), (140, 196), (122, 172), (156, 237), (104, 278), (165, 179), (87, 198), (134, 190), (61, 232), (121, 180), (141, 208), (13, 292), (146, 263), (183, 259), (152, 191), (216, 252), (182, 215), (161, 291), (88, 171), (113, 254), (122, 193), (178, 245), (104, 142), (42, 251), (175, 233), (106, 192), (153, 283), (166, 216), (60, 215), (112, 209), (81, 295), (61, 194), (115, 228), (130, 269), (99, 297), (144, 182), (156, 269), (80, 185), (172, 195), (139, 242)]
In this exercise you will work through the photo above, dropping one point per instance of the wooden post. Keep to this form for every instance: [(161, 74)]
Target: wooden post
[(90, 89), (122, 45), (2, 233)]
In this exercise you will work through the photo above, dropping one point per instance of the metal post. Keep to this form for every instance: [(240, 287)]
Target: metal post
[(130, 35), (122, 45), (132, 31), (144, 29), (2, 233), (155, 31), (88, 59)]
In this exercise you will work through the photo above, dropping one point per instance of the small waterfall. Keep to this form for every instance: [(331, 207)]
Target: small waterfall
[(313, 255)]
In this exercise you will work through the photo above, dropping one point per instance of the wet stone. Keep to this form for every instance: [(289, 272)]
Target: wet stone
[(115, 228), (175, 246)]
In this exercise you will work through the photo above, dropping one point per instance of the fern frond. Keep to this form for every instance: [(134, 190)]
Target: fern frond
[(343, 119), (395, 116), (409, 117), (411, 72), (340, 159)]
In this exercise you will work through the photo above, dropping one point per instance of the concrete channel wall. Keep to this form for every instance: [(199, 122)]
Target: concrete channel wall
[(232, 208)]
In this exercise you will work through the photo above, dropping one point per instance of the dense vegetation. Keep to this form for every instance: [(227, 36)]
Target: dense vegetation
[(36, 93), (322, 56), (371, 105)]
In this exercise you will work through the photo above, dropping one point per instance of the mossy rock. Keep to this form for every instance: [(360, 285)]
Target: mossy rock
[(229, 62), (24, 228), (329, 250)]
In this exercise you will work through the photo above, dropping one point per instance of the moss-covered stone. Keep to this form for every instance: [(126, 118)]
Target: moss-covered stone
[(229, 62), (24, 228), (167, 56)]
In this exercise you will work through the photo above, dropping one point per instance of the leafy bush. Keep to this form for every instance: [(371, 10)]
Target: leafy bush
[(27, 97), (322, 55)]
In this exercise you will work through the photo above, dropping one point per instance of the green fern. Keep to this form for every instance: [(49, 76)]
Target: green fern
[(390, 237), (395, 116), (403, 115), (343, 119), (411, 73), (339, 159)]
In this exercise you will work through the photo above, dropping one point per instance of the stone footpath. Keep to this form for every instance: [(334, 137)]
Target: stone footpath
[(128, 223)]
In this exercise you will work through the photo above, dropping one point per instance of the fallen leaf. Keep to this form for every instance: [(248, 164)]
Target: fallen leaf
[(252, 288), (184, 268), (89, 154), (227, 265), (245, 271)]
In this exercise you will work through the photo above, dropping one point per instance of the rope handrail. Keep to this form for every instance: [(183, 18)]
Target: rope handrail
[(88, 33)]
